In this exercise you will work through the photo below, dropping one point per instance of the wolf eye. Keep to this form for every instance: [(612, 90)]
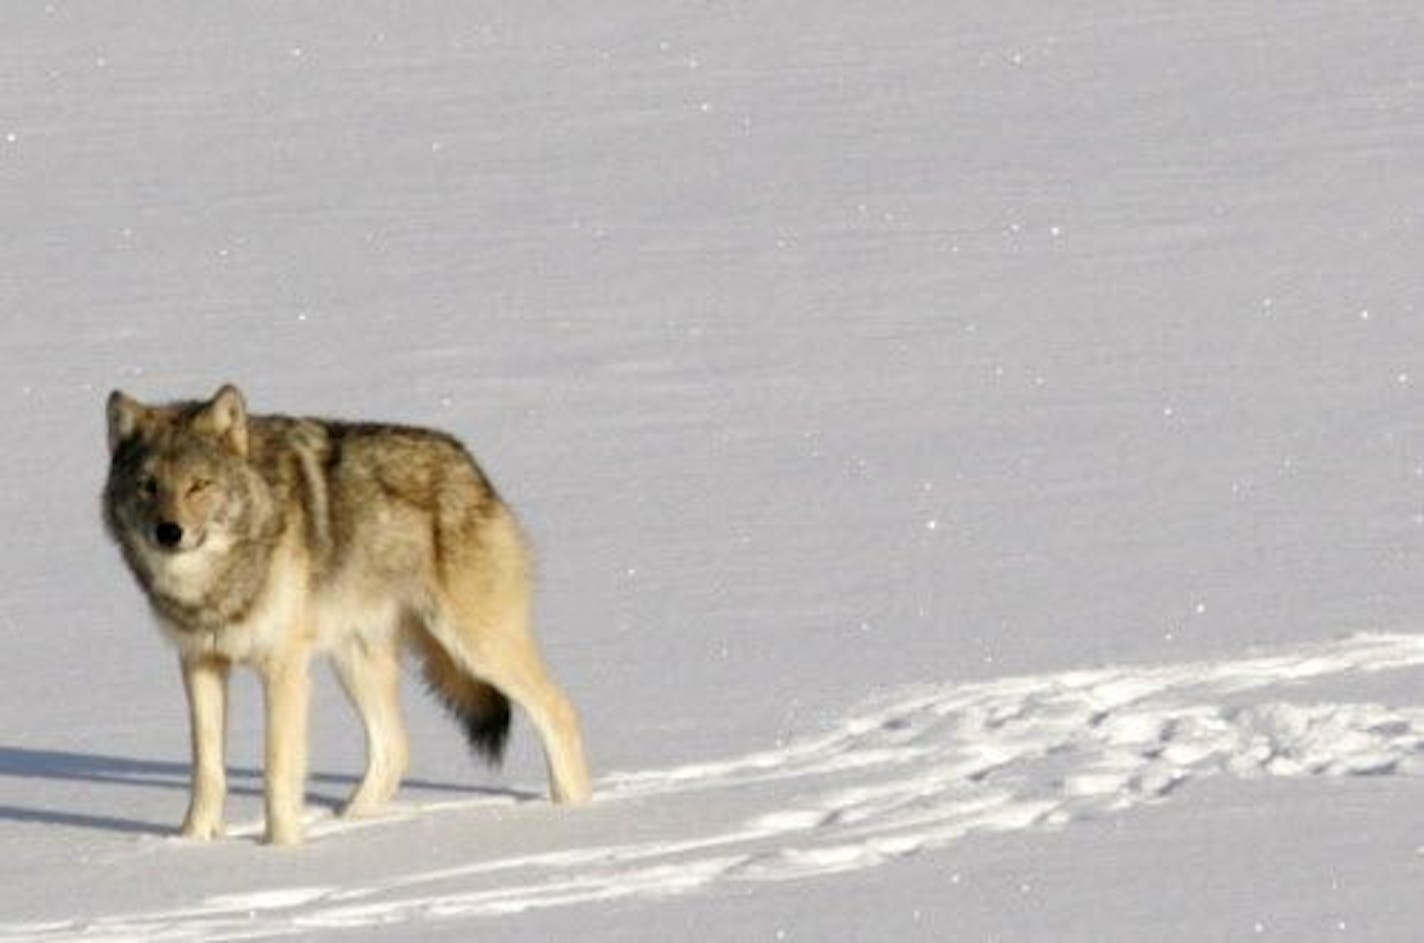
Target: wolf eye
[(148, 485), (201, 484)]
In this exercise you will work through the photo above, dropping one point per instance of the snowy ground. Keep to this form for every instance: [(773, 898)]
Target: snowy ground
[(972, 450)]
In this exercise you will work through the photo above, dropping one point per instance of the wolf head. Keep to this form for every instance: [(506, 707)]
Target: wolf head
[(179, 476)]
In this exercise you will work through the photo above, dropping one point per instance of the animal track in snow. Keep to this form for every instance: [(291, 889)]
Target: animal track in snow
[(913, 772)]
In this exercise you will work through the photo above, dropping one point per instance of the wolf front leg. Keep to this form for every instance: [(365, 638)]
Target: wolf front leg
[(286, 687), (205, 683)]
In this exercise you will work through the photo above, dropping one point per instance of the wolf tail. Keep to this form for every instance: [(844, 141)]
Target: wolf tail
[(479, 707)]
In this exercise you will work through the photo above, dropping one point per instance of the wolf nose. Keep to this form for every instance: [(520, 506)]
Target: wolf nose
[(168, 533)]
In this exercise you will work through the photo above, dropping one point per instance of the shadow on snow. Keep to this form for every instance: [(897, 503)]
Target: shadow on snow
[(66, 766)]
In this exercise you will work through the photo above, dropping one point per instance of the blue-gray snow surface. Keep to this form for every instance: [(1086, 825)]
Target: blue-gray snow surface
[(974, 450)]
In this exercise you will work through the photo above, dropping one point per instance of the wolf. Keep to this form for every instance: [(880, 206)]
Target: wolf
[(264, 540)]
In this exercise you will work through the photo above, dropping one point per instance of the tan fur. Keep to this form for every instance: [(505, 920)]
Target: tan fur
[(261, 540), (446, 679)]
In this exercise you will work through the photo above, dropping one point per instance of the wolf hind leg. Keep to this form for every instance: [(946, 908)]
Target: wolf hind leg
[(523, 677), (503, 652), (369, 672)]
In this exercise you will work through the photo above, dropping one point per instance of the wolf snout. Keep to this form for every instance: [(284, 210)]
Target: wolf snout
[(168, 534)]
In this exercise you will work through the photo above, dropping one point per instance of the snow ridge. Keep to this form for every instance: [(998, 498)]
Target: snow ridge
[(913, 772)]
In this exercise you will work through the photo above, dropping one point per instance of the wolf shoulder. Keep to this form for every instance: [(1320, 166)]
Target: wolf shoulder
[(375, 462)]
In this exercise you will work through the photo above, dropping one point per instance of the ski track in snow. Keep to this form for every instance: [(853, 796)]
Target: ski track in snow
[(912, 772)]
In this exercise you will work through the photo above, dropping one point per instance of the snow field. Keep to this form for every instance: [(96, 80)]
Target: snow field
[(910, 773), (862, 373)]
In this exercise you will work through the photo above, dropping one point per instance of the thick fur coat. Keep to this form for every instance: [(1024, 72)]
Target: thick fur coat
[(262, 540)]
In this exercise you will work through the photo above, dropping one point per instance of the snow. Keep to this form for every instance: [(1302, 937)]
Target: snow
[(971, 451)]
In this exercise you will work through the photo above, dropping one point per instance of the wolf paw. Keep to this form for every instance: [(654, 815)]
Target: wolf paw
[(285, 835), (369, 799), (203, 828), (359, 808), (577, 794)]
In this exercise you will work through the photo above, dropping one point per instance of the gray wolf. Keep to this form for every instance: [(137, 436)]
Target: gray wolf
[(263, 540)]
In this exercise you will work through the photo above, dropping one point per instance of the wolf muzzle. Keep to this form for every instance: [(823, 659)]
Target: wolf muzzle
[(168, 534)]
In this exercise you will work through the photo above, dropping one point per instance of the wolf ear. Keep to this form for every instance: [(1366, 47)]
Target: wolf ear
[(225, 417), (126, 419)]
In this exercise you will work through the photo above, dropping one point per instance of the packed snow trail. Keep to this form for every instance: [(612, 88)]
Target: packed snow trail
[(911, 773)]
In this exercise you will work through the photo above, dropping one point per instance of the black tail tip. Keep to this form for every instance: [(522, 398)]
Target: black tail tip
[(487, 730)]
